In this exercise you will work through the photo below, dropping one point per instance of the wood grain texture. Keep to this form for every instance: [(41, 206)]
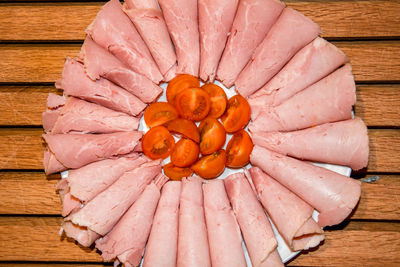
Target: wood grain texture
[(384, 151)]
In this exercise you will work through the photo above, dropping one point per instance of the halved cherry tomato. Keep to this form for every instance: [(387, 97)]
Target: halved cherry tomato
[(158, 143), (159, 113), (218, 99), (210, 166), (185, 153), (237, 114), (180, 83), (212, 136), (193, 104), (176, 173), (238, 150), (184, 127)]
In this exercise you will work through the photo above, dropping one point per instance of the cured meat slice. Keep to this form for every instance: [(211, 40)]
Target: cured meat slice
[(82, 235), (223, 230), (256, 229), (329, 100), (128, 238), (333, 195), (103, 212), (342, 143), (77, 150), (253, 20), (55, 101), (76, 83), (193, 247), (181, 19), (162, 245), (70, 203), (49, 117), (290, 214), (99, 62), (291, 32), (150, 23), (215, 22), (113, 30), (312, 63)]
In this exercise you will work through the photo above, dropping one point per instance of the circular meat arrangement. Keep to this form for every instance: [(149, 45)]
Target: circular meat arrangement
[(187, 129)]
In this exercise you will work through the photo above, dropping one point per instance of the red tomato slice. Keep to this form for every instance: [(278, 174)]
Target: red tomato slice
[(176, 173), (239, 149), (193, 104), (184, 127), (185, 153), (212, 136), (159, 113), (210, 166), (158, 143), (180, 83), (237, 114), (218, 99)]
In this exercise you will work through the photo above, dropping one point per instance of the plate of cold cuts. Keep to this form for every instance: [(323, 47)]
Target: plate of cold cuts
[(118, 198)]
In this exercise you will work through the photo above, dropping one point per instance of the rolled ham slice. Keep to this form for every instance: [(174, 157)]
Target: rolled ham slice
[(290, 214), (49, 117), (193, 249), (77, 150), (312, 63), (150, 23), (333, 195), (128, 238), (162, 246), (76, 83), (181, 18), (215, 22), (342, 143), (223, 230), (69, 203), (329, 100), (291, 32), (114, 31), (256, 229), (82, 235)]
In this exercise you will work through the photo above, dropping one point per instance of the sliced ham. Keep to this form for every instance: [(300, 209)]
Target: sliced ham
[(150, 23), (55, 101), (82, 235), (329, 100), (181, 18), (290, 214), (76, 83), (215, 22), (193, 249), (312, 63), (223, 230), (291, 32), (69, 203), (342, 143), (256, 229), (253, 20), (114, 31), (49, 117), (333, 195), (128, 238), (77, 150), (161, 249)]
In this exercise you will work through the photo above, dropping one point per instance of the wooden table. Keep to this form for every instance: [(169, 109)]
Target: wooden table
[(36, 36)]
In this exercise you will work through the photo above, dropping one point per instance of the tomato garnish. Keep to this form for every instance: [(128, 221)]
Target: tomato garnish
[(193, 104), (184, 127), (185, 153), (218, 99), (180, 83), (212, 135), (176, 173), (238, 150), (237, 114), (158, 143), (210, 166), (159, 113)]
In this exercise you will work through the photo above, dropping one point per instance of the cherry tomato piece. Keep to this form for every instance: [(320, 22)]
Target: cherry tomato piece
[(193, 104), (176, 173), (184, 127), (237, 114), (180, 83), (212, 136), (210, 166), (159, 113), (185, 153), (218, 99), (238, 150), (158, 143)]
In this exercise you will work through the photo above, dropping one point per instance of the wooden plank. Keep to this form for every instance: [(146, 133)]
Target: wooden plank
[(384, 151)]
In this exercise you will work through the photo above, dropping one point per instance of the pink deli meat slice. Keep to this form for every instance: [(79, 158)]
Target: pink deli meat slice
[(329, 100), (69, 203), (193, 249), (223, 230), (55, 101), (312, 63), (256, 229), (343, 143), (290, 33), (181, 18), (162, 246), (77, 150), (76, 83), (215, 22), (82, 235), (290, 214), (333, 195), (126, 241), (252, 22), (49, 117), (113, 30), (99, 62)]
